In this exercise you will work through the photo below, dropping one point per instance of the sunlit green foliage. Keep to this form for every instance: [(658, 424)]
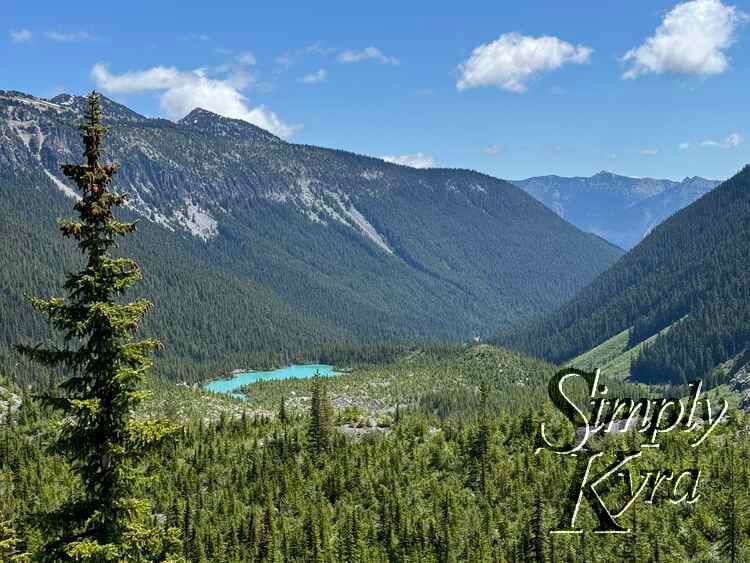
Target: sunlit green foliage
[(106, 366)]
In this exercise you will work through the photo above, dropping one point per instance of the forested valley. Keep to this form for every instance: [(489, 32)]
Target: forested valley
[(416, 451)]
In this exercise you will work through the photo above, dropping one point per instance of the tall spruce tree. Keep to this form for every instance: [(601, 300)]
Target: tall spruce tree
[(98, 432), (320, 432)]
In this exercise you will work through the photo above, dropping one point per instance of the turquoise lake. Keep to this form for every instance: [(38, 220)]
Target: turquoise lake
[(290, 372)]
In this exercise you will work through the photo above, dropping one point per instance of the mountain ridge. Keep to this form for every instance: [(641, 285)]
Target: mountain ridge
[(622, 209), (361, 248), (688, 274)]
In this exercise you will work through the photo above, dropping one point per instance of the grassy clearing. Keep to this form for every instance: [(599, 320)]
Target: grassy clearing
[(613, 356)]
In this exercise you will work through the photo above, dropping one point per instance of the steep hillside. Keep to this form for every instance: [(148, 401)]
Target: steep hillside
[(209, 318), (257, 241), (618, 208), (691, 268)]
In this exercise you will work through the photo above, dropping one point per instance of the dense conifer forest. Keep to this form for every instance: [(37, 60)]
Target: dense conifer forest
[(463, 486)]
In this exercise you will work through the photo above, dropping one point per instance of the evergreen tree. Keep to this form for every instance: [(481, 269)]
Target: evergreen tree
[(480, 447), (99, 435), (730, 530), (283, 416), (267, 550), (537, 543), (321, 417)]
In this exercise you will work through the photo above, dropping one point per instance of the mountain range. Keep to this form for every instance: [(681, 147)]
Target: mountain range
[(620, 209), (255, 248), (675, 308)]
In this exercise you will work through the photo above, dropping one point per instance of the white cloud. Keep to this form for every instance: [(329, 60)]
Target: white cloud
[(21, 35), (690, 40), (684, 146), (183, 91), (731, 141), (734, 140), (68, 37), (156, 78), (649, 152), (368, 53), (247, 58), (315, 77), (493, 150), (513, 59), (416, 160)]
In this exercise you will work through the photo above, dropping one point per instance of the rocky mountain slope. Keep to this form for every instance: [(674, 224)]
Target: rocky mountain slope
[(618, 208), (350, 246)]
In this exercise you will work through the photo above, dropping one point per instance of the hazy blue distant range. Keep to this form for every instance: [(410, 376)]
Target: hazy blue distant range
[(619, 209), (238, 380)]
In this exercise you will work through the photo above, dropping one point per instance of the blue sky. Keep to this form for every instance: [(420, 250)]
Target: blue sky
[(512, 89)]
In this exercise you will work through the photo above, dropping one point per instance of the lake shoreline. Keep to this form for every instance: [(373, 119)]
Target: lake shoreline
[(237, 379)]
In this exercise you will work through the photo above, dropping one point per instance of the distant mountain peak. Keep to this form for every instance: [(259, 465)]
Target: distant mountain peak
[(111, 109), (200, 113), (206, 121)]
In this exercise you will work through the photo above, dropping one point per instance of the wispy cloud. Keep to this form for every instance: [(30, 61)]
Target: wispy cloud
[(734, 140), (731, 141), (196, 37), (513, 60), (21, 35), (183, 91), (416, 160), (649, 152), (317, 49), (315, 77), (247, 59), (493, 150), (691, 39), (69, 36), (366, 54)]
